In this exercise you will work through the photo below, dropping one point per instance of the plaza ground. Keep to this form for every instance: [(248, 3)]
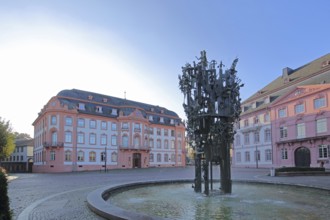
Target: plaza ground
[(63, 195)]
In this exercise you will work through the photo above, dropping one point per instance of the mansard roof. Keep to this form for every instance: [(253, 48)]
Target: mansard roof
[(73, 97), (290, 77), (308, 74), (24, 142)]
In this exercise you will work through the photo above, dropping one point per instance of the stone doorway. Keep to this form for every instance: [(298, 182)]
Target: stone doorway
[(302, 157), (136, 160)]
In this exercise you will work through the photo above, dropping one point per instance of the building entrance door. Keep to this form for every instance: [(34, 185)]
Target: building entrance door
[(137, 160), (302, 157)]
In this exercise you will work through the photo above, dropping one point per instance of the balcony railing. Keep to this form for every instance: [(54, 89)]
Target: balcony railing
[(143, 148), (53, 144), (251, 127)]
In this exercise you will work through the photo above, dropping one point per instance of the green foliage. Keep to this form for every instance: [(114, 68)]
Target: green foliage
[(7, 139), (21, 135), (5, 213)]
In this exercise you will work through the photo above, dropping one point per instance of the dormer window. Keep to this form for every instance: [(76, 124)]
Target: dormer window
[(81, 106), (105, 100), (172, 122), (162, 111), (90, 97), (114, 111), (99, 109), (151, 118), (152, 109), (161, 120)]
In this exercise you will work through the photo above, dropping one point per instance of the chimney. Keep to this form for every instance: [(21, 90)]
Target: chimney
[(286, 72)]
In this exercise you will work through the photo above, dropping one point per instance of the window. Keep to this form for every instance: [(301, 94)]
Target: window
[(300, 108), (246, 138), (113, 126), (114, 157), (323, 151), (68, 136), (282, 113), (151, 158), (268, 155), (124, 126), (92, 138), (125, 140), (81, 138), (238, 140), (98, 109), (103, 139), (114, 111), (256, 137), (104, 125), (81, 122), (81, 106), (172, 144), (67, 155), (238, 157), (159, 145), (92, 124), (165, 132), (283, 132), (158, 131), (321, 125), (319, 103), (247, 156), (173, 157), (257, 155), (179, 145), (159, 158), (267, 135), (52, 155), (301, 130), (54, 138), (151, 143), (284, 154), (53, 120), (137, 140), (114, 140), (246, 122), (166, 144), (172, 133), (92, 156), (137, 127), (166, 157), (80, 156), (68, 121), (161, 120)]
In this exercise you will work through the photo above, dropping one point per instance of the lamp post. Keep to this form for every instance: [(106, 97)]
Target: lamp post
[(212, 106), (105, 159)]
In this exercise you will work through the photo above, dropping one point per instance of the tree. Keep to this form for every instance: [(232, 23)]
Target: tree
[(21, 135), (7, 139)]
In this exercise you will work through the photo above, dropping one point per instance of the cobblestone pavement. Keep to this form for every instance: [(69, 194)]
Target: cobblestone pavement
[(63, 195)]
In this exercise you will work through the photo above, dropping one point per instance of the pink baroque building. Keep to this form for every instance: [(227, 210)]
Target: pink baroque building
[(301, 127), (255, 142), (80, 130)]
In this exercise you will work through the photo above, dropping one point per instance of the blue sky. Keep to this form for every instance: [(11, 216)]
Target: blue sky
[(139, 46)]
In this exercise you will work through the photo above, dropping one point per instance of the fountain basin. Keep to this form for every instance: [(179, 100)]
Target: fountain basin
[(177, 200)]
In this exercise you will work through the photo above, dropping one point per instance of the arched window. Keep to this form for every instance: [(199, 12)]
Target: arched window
[(151, 157), (80, 156), (166, 157), (68, 155), (137, 140), (114, 157), (92, 156)]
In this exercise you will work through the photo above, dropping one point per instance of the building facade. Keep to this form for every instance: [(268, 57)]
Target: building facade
[(80, 130), (21, 160), (254, 144), (300, 127)]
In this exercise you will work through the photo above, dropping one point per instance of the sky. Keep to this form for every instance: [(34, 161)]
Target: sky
[(137, 47)]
